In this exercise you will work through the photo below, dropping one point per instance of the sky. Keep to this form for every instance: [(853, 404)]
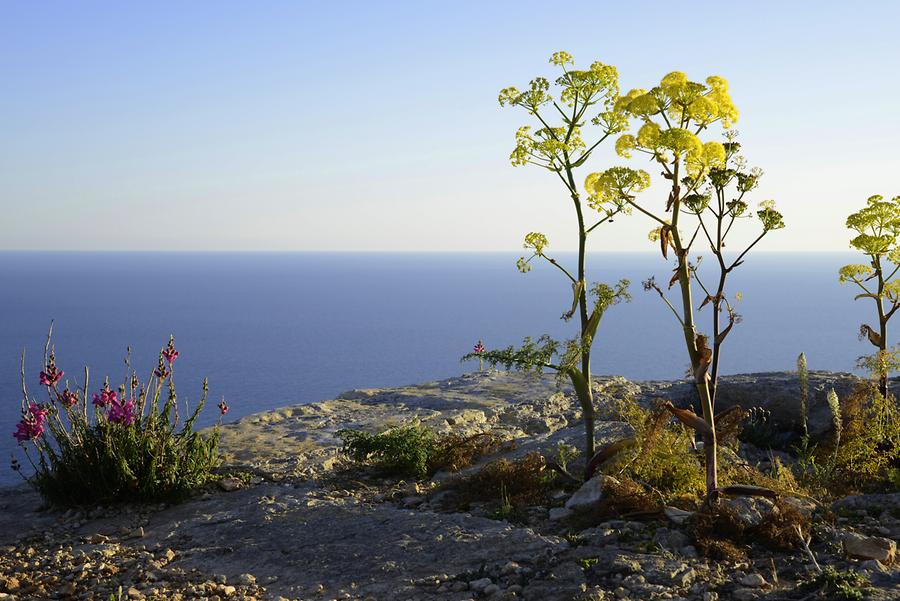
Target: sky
[(374, 126)]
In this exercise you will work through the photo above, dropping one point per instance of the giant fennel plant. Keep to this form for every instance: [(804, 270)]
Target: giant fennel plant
[(877, 228), (708, 182), (558, 142)]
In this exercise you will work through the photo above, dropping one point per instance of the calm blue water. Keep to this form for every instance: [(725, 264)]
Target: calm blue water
[(270, 330)]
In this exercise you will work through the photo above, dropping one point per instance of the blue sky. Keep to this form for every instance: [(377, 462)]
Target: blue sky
[(375, 125)]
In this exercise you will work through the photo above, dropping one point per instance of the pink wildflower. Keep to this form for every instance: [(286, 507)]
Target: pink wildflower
[(223, 407), (479, 348), (50, 375), (121, 413), (162, 371), (169, 353), (105, 397), (32, 424), (67, 398)]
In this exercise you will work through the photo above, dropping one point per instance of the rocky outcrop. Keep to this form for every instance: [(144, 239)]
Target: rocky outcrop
[(290, 527)]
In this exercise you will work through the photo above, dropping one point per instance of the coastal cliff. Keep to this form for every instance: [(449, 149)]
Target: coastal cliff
[(290, 520)]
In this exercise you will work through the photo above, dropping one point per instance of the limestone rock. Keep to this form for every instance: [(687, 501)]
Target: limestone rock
[(859, 546), (590, 493)]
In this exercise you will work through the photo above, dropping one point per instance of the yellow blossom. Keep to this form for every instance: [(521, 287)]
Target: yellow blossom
[(625, 144), (561, 59), (615, 186), (648, 135)]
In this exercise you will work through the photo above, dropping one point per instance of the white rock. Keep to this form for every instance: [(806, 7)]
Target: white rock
[(677, 516), (869, 547), (590, 493), (750, 510), (753, 580)]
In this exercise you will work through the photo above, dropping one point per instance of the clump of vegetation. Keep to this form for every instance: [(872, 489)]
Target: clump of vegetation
[(708, 182), (864, 451), (131, 443), (561, 146), (831, 583), (877, 229), (662, 460), (413, 450), (660, 455), (515, 484), (719, 533)]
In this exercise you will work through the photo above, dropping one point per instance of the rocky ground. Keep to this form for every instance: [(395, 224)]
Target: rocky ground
[(290, 522)]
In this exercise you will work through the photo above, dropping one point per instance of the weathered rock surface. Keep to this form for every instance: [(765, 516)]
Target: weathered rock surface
[(290, 529)]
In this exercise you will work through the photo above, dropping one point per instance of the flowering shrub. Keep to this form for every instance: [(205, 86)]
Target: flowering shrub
[(128, 443), (581, 98)]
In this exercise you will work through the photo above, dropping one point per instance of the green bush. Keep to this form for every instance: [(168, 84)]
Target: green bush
[(129, 444), (413, 450), (864, 451), (837, 585), (661, 458)]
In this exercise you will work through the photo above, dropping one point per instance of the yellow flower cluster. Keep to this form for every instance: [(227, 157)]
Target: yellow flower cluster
[(536, 241), (770, 218), (545, 146), (615, 186), (854, 272), (681, 106), (561, 59), (877, 225)]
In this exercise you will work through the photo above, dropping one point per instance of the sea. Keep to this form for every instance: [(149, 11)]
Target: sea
[(274, 329)]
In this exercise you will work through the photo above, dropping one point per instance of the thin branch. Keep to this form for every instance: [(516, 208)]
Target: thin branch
[(560, 267)]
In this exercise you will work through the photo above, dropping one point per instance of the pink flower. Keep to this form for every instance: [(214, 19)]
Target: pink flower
[(50, 376), (169, 353), (67, 398), (223, 407), (121, 413), (162, 371), (479, 348), (39, 413), (32, 424), (105, 397)]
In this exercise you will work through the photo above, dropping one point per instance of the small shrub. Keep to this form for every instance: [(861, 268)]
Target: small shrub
[(413, 450), (837, 585), (719, 533), (130, 444), (864, 452), (759, 430), (517, 483), (662, 458)]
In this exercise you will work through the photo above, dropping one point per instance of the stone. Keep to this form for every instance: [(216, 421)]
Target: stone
[(247, 579), (677, 516), (860, 546), (229, 484), (750, 510), (753, 581), (590, 493), (480, 585), (559, 513)]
